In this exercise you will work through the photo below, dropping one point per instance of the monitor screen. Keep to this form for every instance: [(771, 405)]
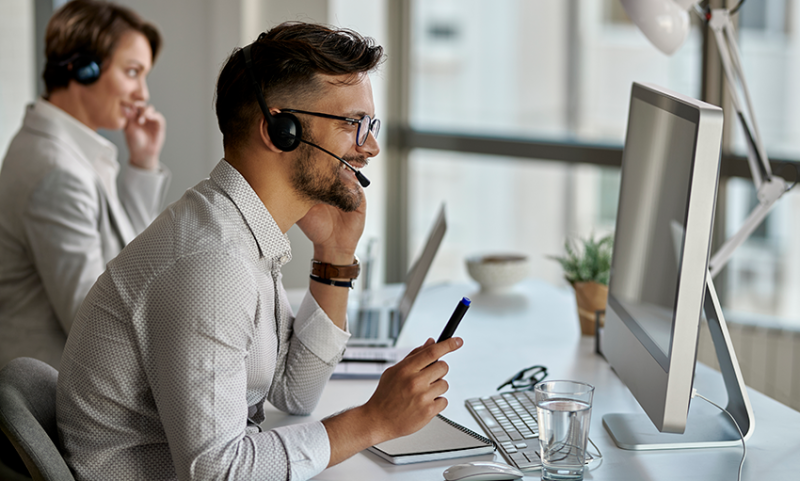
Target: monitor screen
[(662, 241), (650, 231)]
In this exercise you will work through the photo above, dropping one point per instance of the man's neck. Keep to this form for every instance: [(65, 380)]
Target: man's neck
[(269, 177)]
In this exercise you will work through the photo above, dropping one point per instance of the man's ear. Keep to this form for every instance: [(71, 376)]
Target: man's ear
[(266, 140)]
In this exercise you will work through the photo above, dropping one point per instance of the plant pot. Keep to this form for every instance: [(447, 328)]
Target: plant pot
[(591, 297)]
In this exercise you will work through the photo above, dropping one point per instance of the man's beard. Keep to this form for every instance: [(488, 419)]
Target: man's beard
[(317, 183)]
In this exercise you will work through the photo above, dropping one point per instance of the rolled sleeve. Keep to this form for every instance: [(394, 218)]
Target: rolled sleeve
[(317, 332), (308, 448)]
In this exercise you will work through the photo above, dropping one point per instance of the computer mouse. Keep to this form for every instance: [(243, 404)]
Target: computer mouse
[(481, 471)]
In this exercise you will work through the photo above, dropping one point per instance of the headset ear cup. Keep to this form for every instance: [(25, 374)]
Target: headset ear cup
[(85, 69), (285, 131)]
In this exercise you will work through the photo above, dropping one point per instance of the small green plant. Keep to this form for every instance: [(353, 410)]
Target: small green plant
[(587, 259)]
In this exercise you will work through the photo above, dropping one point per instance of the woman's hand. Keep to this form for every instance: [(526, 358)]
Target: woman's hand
[(145, 135)]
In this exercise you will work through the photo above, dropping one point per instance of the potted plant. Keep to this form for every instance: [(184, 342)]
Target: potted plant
[(587, 266)]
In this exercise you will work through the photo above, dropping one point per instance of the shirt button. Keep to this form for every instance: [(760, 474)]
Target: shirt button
[(284, 259)]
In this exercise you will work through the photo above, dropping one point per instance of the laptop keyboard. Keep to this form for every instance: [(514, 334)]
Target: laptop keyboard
[(378, 325), (509, 419)]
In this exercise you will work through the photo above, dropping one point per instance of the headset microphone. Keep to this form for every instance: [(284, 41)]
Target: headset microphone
[(362, 179)]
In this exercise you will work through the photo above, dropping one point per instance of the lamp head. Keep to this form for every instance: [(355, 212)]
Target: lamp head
[(664, 22)]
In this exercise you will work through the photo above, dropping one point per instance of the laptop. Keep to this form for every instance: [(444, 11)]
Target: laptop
[(376, 324)]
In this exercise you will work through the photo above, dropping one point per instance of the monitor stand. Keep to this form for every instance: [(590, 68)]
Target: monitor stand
[(703, 430)]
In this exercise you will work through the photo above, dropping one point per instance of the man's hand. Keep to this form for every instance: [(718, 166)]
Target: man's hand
[(408, 396), (409, 393), (335, 235), (333, 232), (145, 137)]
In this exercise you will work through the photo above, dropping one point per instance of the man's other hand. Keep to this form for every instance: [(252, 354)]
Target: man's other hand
[(409, 393)]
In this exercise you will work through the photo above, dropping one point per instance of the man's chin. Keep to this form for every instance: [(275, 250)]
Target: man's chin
[(350, 203)]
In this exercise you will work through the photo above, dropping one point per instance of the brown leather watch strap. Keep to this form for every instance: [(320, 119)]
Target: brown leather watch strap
[(324, 270)]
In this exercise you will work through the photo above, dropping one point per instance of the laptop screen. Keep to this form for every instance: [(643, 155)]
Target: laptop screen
[(373, 326), (416, 276)]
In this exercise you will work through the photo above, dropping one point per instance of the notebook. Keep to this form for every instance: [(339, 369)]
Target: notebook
[(439, 439)]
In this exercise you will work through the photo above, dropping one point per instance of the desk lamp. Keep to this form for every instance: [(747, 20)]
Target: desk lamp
[(666, 24)]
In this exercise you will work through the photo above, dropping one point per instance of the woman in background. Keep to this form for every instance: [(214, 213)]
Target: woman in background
[(64, 213)]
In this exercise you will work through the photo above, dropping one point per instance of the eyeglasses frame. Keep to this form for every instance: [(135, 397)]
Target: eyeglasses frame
[(514, 380), (372, 123)]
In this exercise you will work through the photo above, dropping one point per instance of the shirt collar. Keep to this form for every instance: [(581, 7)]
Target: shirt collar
[(271, 241)]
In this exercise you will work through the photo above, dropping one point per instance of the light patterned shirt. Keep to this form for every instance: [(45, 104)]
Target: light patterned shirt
[(183, 338)]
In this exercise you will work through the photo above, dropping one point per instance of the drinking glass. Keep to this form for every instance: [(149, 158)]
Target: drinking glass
[(564, 410)]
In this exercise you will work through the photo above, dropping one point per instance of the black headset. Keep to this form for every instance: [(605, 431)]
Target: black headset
[(85, 68), (284, 129)]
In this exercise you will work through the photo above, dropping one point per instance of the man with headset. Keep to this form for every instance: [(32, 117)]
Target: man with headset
[(189, 331)]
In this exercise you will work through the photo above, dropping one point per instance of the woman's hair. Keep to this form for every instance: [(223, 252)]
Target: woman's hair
[(286, 61), (89, 28)]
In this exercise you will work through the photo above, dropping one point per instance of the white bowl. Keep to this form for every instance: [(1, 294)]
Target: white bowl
[(497, 272)]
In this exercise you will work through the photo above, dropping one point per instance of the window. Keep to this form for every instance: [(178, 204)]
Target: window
[(560, 73)]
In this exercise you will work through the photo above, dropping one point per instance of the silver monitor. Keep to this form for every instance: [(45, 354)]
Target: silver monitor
[(658, 287)]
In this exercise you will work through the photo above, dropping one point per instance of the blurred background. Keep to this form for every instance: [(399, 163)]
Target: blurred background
[(511, 112)]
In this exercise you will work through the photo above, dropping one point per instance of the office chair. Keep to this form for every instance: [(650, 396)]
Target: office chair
[(28, 417)]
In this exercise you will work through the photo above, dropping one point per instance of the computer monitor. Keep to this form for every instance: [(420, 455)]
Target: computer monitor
[(659, 286)]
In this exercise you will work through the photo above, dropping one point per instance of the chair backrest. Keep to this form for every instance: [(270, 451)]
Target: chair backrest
[(28, 417)]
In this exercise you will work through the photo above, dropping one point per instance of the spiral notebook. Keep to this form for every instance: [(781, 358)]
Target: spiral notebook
[(439, 439)]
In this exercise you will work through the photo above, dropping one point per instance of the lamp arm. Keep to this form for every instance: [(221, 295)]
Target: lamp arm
[(736, 56), (769, 188), (729, 55), (771, 191)]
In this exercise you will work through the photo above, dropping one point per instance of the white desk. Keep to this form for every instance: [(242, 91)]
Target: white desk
[(536, 323)]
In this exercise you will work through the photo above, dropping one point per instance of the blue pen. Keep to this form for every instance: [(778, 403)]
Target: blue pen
[(452, 324)]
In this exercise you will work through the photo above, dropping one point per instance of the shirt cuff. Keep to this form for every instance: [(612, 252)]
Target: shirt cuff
[(307, 447), (317, 332)]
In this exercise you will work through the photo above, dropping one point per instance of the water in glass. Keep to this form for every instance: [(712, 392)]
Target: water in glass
[(563, 431)]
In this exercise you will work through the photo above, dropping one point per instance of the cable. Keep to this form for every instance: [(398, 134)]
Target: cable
[(599, 454), (744, 446)]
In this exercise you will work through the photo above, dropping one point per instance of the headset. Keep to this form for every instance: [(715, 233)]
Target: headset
[(85, 68), (284, 129)]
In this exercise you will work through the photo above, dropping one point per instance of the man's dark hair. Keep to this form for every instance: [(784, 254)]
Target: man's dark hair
[(286, 64), (89, 27)]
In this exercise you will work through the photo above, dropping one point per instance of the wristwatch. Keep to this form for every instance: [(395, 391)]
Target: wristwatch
[(325, 273)]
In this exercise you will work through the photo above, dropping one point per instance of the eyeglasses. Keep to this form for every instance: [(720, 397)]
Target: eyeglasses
[(366, 124), (526, 379)]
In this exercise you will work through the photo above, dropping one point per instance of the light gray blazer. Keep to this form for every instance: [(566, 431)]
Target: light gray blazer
[(62, 218)]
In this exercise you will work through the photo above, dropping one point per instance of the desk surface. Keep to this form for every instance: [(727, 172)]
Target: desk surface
[(536, 323)]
